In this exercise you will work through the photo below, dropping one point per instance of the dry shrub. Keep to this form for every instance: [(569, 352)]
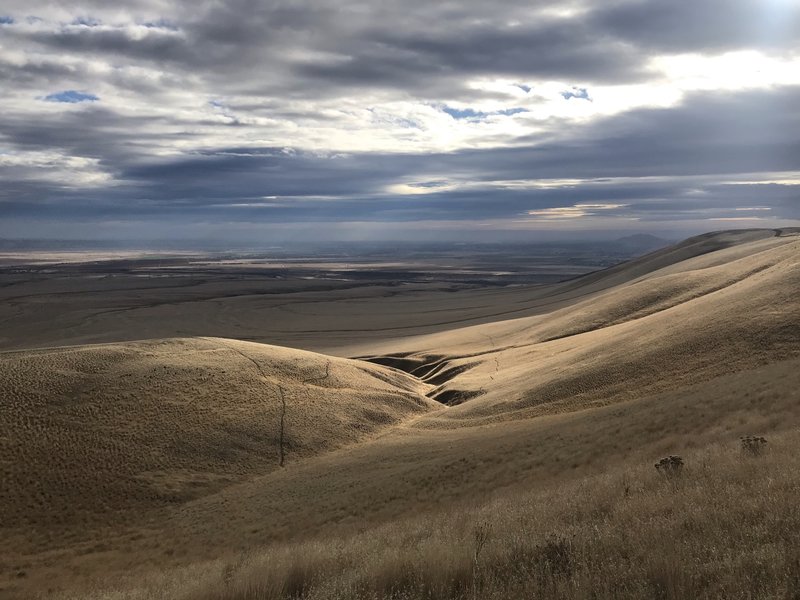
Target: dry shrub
[(671, 466), (752, 445)]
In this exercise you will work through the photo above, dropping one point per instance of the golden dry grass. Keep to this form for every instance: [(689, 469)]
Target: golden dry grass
[(101, 437), (717, 313), (158, 461), (728, 527)]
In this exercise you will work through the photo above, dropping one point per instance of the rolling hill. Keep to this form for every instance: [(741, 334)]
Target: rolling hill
[(166, 454), (710, 306)]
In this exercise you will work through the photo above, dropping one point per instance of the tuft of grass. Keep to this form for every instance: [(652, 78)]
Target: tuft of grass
[(753, 445), (671, 466)]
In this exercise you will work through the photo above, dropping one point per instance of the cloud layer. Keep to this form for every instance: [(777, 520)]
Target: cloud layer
[(360, 119)]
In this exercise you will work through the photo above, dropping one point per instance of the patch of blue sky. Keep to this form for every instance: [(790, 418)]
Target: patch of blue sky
[(161, 24), (407, 123), (464, 113), (469, 113), (86, 21), (510, 111), (576, 92), (70, 97)]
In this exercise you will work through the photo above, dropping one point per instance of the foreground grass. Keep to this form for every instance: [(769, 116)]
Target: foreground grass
[(728, 526)]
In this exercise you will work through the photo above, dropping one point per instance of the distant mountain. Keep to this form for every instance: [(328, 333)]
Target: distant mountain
[(642, 242)]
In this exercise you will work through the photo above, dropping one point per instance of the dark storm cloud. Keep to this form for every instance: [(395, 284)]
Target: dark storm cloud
[(39, 73), (671, 162), (719, 133), (284, 56), (681, 26), (157, 45), (670, 201), (538, 50), (307, 48), (94, 132)]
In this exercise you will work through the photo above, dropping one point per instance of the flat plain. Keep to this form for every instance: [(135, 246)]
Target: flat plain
[(312, 299), (452, 436)]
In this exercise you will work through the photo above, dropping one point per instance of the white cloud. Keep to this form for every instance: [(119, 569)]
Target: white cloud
[(746, 69), (574, 212), (55, 167)]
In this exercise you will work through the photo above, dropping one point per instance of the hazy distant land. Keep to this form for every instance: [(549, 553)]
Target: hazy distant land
[(306, 297)]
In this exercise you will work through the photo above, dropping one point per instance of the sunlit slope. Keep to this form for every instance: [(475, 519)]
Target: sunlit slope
[(674, 255), (98, 434), (719, 312), (417, 468)]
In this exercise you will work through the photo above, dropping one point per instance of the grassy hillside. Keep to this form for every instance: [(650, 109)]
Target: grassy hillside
[(160, 461), (716, 313), (111, 436), (727, 527)]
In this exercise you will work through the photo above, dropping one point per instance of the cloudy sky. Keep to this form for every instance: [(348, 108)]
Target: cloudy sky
[(373, 119)]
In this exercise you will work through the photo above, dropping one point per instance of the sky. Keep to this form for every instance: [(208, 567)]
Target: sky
[(271, 120)]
